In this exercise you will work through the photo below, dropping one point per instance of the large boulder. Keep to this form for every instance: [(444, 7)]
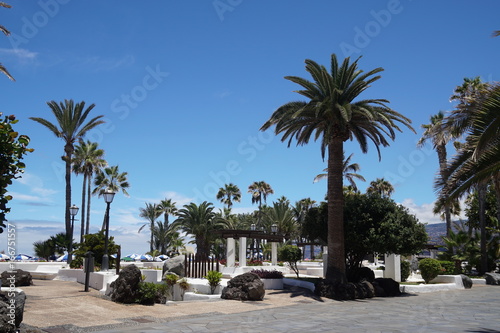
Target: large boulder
[(344, 291), (126, 286), (18, 278), (244, 287), (361, 274), (467, 281), (385, 287), (175, 265), (11, 310), (492, 278)]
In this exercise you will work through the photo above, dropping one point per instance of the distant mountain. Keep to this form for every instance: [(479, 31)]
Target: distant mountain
[(438, 230), (435, 232)]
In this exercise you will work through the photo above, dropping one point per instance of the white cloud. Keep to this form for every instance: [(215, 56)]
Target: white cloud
[(424, 212), (21, 54), (36, 187)]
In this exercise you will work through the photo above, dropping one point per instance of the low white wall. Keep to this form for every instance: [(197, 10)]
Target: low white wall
[(97, 280), (442, 282), (48, 267), (234, 271)]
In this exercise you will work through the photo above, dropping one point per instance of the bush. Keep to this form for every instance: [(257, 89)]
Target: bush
[(405, 270), (448, 267), (429, 269), (263, 274), (214, 278), (147, 293), (291, 254)]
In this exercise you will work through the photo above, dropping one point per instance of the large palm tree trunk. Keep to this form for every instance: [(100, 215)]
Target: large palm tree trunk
[(335, 271), (82, 222), (89, 195), (441, 151), (67, 218), (482, 224)]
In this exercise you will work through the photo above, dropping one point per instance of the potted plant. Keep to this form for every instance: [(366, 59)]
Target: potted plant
[(271, 279), (183, 285), (214, 278)]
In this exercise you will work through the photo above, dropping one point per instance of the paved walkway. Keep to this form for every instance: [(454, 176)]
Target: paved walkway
[(473, 310)]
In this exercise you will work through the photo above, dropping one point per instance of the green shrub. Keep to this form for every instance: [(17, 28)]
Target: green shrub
[(429, 269), (448, 267), (147, 293), (405, 270), (214, 278)]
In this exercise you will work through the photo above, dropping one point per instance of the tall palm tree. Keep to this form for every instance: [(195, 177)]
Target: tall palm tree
[(71, 119), (200, 221), (110, 178), (88, 159), (349, 172), (6, 33), (381, 187), (332, 115), (167, 207), (478, 159), (260, 190), (163, 234), (150, 213), (439, 137), (228, 194)]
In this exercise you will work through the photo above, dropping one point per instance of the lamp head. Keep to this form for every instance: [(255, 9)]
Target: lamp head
[(108, 196)]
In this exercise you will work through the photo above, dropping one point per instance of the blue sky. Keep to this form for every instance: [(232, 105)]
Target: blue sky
[(184, 87)]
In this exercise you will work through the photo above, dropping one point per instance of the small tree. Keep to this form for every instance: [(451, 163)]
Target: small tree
[(291, 254), (12, 151), (429, 269), (94, 243)]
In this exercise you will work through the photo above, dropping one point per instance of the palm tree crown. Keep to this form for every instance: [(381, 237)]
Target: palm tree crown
[(381, 187), (332, 115), (228, 194)]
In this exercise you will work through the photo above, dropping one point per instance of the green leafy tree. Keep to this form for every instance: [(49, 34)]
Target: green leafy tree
[(13, 147), (290, 254), (95, 244), (70, 126), (372, 224), (333, 115), (281, 214)]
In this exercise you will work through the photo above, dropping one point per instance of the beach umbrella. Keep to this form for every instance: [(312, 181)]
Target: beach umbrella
[(3, 256), (23, 257), (127, 259), (161, 257), (145, 257), (64, 258), (133, 256)]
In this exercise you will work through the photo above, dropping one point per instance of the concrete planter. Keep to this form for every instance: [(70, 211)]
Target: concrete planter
[(270, 284)]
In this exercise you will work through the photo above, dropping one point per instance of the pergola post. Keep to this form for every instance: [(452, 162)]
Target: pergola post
[(243, 252), (274, 253), (230, 252), (392, 267)]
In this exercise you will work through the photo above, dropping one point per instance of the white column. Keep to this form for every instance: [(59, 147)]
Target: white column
[(243, 252), (230, 252), (325, 259), (393, 267), (274, 253)]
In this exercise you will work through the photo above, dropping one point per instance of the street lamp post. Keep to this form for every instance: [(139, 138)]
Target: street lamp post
[(73, 210), (274, 246), (108, 198)]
